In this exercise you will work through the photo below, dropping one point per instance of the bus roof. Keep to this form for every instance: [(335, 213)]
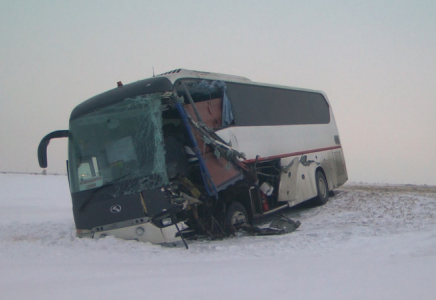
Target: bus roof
[(176, 74), (162, 83)]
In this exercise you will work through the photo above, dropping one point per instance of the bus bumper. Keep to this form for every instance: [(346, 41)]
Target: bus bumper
[(145, 232)]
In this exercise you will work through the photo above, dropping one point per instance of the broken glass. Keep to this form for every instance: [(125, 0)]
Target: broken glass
[(227, 117), (120, 141), (202, 90)]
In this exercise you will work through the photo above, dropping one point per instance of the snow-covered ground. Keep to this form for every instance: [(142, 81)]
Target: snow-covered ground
[(367, 242)]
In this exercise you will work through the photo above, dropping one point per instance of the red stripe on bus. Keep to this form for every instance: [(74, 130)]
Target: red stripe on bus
[(291, 154)]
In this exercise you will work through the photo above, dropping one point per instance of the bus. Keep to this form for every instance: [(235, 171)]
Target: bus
[(190, 152)]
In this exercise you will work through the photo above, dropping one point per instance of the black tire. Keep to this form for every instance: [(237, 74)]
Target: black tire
[(236, 215), (322, 188)]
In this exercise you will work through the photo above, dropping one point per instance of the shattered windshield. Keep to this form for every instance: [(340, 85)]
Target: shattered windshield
[(121, 142)]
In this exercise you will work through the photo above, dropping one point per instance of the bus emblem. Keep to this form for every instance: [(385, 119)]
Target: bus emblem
[(115, 208)]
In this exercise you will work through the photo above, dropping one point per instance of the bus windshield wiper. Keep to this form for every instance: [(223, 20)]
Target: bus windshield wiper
[(92, 194)]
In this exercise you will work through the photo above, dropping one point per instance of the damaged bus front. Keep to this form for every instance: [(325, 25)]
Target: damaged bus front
[(162, 158)]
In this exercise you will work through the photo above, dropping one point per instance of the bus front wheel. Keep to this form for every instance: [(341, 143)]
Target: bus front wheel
[(236, 216)]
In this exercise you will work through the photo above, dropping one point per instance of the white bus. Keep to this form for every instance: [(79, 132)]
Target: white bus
[(189, 151)]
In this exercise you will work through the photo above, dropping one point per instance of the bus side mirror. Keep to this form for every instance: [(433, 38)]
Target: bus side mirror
[(42, 148)]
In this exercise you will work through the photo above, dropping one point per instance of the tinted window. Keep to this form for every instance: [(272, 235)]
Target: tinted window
[(266, 106)]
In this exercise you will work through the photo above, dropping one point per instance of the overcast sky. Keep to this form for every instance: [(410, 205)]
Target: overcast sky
[(375, 60)]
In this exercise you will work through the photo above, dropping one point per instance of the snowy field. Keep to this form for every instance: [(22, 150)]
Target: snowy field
[(367, 242)]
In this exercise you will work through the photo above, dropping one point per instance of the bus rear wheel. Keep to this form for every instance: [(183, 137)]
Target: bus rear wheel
[(322, 189)]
